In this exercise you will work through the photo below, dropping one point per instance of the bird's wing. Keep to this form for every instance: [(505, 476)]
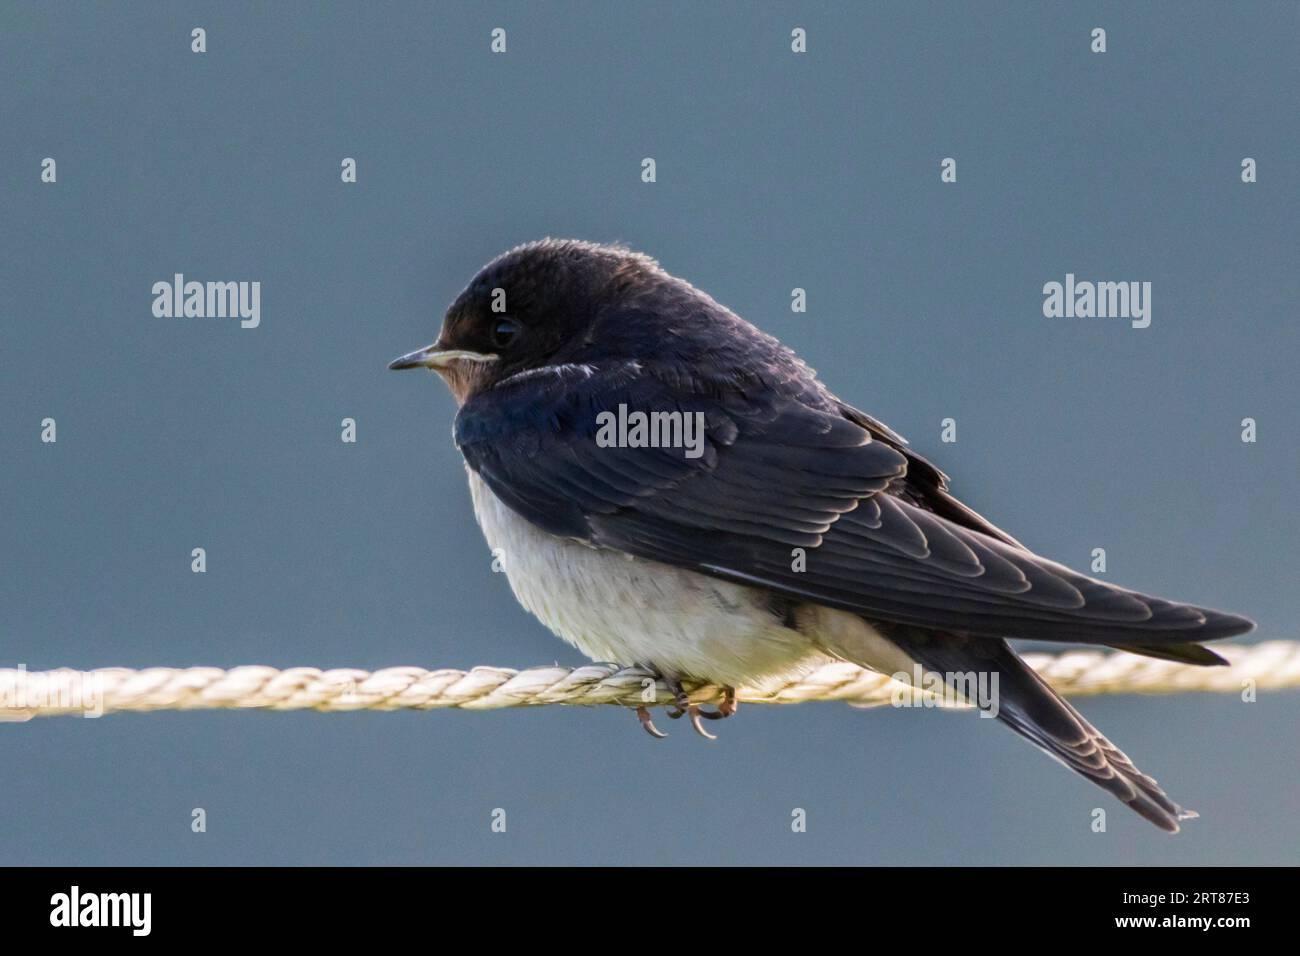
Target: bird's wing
[(789, 494)]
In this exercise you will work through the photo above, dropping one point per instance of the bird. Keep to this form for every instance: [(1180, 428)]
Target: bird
[(758, 524)]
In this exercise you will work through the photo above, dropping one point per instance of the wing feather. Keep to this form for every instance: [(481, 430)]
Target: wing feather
[(787, 467)]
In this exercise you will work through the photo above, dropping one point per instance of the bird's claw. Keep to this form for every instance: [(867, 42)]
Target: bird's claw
[(682, 706), (696, 712), (725, 709), (648, 724)]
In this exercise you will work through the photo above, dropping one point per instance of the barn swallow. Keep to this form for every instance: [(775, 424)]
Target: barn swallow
[(790, 528)]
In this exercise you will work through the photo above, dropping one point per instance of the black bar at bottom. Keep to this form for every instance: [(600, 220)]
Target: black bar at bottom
[(333, 905)]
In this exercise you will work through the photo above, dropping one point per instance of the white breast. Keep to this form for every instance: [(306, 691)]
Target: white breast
[(625, 610)]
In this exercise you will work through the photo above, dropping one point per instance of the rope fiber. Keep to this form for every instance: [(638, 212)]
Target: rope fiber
[(1079, 673)]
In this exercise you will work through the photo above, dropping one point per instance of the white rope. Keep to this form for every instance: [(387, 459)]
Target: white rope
[(26, 694)]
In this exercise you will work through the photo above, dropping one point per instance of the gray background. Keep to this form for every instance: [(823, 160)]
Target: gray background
[(775, 171)]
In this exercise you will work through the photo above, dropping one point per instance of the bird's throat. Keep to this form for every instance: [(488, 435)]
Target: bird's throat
[(465, 378)]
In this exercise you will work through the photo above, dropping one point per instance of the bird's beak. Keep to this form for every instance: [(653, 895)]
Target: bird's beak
[(435, 357)]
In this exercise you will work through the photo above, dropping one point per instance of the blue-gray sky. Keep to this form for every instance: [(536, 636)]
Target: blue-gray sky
[(774, 170)]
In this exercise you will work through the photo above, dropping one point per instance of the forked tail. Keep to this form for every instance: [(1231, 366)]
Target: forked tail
[(1030, 707)]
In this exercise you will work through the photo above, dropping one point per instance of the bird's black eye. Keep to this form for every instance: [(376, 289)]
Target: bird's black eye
[(504, 332)]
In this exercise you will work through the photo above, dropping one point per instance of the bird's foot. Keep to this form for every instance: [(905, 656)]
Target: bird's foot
[(725, 709), (683, 707), (696, 712)]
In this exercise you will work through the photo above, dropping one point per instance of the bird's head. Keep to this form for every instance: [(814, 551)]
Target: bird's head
[(538, 304)]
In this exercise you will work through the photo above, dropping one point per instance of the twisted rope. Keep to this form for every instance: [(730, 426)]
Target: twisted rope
[(24, 694)]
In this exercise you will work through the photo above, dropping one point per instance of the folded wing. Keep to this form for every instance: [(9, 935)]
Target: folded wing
[(791, 491)]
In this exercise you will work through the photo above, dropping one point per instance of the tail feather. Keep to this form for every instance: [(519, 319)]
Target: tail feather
[(1189, 653), (1030, 707)]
